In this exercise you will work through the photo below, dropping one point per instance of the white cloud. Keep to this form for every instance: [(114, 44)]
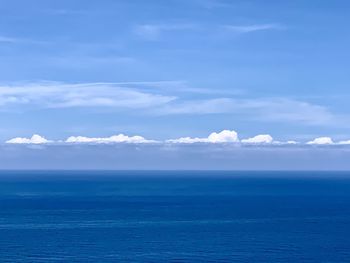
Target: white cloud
[(259, 139), (14, 40), (120, 138), (260, 109), (252, 28), (344, 142), (160, 98), (153, 31), (208, 106), (285, 142), (63, 95), (321, 141), (225, 136), (35, 139), (188, 140)]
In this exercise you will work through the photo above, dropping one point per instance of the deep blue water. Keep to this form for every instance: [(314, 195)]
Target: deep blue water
[(174, 216)]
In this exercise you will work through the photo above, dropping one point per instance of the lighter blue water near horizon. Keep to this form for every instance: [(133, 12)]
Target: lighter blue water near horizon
[(178, 216)]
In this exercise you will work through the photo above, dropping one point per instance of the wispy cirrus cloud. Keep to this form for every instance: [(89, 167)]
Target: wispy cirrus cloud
[(154, 31), (266, 109), (128, 95), (63, 95), (19, 40), (241, 29), (163, 99)]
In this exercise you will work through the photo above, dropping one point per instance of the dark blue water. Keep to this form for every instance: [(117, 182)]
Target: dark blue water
[(174, 217)]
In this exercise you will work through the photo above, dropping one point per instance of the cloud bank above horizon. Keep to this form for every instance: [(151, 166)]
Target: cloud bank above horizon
[(223, 137)]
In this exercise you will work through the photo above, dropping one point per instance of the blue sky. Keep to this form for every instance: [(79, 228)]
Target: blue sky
[(177, 68)]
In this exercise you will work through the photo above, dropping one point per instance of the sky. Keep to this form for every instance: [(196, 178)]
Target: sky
[(174, 71)]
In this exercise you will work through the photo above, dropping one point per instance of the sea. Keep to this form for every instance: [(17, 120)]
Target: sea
[(174, 216)]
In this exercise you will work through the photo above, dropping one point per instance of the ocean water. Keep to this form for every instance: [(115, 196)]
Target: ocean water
[(174, 216)]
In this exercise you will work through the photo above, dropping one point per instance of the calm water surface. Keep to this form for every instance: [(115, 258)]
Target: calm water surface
[(174, 216)]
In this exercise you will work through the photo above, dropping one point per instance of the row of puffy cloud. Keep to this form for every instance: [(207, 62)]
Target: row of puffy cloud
[(120, 138), (225, 136)]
